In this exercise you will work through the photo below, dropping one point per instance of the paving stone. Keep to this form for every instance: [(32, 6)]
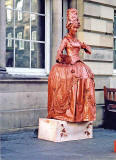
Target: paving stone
[(23, 145)]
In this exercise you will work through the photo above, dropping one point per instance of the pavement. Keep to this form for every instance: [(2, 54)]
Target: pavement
[(24, 145)]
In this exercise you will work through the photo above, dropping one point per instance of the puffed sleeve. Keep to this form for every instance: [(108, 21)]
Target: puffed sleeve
[(61, 48)]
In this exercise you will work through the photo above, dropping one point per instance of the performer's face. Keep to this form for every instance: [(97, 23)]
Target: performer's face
[(73, 29)]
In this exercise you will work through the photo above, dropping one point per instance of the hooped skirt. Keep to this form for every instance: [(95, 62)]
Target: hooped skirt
[(71, 93)]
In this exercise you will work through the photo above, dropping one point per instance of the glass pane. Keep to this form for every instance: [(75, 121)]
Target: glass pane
[(114, 59), (38, 27), (37, 55), (22, 24), (9, 3), (38, 6), (22, 54), (22, 5), (114, 25), (9, 52), (9, 24), (9, 16)]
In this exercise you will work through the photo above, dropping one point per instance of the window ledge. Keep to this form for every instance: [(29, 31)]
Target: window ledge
[(26, 71), (23, 80), (19, 74)]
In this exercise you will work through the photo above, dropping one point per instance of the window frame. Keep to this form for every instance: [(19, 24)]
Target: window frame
[(37, 71), (114, 38)]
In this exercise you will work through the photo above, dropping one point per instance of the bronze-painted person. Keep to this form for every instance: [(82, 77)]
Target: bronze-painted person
[(71, 88)]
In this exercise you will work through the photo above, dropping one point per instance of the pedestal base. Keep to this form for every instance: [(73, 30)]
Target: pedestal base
[(59, 131)]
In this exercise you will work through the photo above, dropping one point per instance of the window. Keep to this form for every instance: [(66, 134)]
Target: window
[(21, 43), (20, 16), (19, 7), (115, 40), (28, 36), (9, 15), (33, 38), (9, 40)]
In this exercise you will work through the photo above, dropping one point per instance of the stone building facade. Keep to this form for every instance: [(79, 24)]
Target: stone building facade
[(30, 34)]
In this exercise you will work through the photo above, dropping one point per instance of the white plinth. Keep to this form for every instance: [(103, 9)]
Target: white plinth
[(59, 131)]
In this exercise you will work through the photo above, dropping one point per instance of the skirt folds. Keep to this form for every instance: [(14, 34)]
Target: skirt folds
[(71, 93)]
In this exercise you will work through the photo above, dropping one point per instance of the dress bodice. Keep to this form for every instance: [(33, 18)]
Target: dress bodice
[(72, 47)]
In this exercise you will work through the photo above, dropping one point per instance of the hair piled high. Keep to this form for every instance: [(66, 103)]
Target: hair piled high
[(72, 17)]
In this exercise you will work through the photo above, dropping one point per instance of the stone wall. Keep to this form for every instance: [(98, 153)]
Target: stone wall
[(22, 102)]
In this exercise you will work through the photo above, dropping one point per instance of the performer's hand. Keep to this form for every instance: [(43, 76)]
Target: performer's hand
[(86, 48), (59, 58), (83, 45)]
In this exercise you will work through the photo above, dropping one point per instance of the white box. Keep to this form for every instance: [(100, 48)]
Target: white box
[(59, 131)]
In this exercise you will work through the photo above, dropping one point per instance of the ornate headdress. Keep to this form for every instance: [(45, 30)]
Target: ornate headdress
[(72, 17)]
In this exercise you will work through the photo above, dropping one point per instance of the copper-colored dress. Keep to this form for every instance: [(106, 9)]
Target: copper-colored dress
[(71, 93)]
